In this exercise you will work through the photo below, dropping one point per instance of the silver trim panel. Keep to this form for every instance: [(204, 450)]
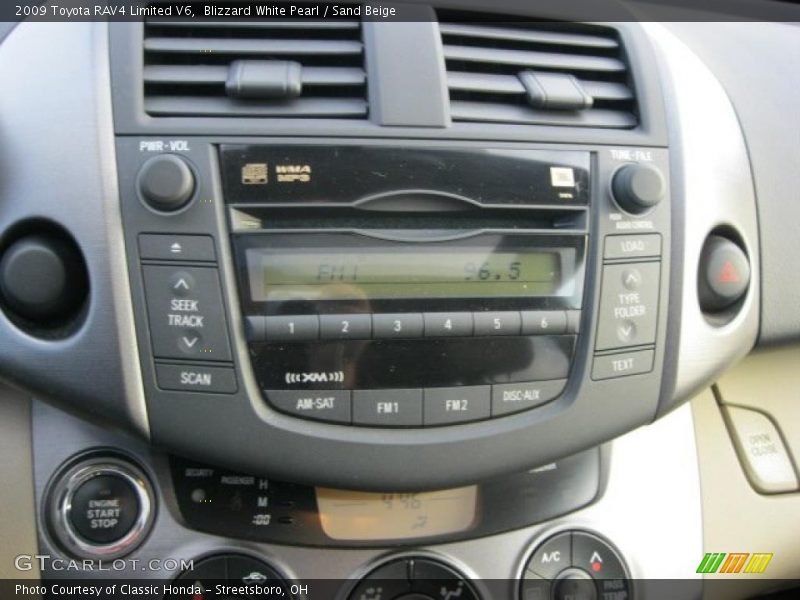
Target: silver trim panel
[(650, 509), (711, 172)]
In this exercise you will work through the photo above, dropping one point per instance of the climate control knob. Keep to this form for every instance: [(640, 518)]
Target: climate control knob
[(637, 187), (166, 182)]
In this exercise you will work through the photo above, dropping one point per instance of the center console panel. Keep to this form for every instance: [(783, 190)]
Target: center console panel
[(288, 292)]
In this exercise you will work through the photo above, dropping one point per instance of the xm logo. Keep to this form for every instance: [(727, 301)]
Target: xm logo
[(315, 377), (742, 562)]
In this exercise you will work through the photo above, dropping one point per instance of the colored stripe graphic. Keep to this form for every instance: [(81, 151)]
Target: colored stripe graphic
[(734, 562), (758, 562), (711, 562)]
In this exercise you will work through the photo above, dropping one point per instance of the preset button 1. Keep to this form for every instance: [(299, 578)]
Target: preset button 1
[(294, 328)]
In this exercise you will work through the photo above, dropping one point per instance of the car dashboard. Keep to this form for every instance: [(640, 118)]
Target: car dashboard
[(458, 304)]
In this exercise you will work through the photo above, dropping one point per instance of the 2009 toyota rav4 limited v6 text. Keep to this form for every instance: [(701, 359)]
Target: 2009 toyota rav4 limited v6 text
[(445, 300)]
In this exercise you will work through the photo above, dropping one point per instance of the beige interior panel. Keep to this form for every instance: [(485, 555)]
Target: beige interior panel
[(735, 517), (17, 505), (769, 380)]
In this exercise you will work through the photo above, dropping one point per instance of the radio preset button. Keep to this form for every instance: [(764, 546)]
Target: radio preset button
[(321, 405), (544, 322), (186, 313), (293, 328), (456, 404), (345, 327), (448, 324), (401, 325), (497, 323), (509, 398), (620, 365), (632, 246), (628, 305), (387, 408)]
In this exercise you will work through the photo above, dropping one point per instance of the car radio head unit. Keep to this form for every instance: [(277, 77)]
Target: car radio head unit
[(308, 302), (378, 304)]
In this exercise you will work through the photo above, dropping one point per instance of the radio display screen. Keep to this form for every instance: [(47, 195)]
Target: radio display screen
[(362, 516), (399, 272)]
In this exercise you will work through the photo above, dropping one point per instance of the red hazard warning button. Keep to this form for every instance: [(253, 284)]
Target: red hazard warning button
[(724, 274)]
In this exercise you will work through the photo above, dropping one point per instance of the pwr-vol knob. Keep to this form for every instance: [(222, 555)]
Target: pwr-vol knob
[(638, 187), (166, 183)]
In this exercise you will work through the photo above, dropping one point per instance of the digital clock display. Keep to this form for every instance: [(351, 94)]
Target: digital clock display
[(362, 516), (406, 272)]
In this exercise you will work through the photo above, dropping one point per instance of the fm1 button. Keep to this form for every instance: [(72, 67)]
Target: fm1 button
[(552, 557)]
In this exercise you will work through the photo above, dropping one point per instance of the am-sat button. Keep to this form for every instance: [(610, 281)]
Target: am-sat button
[(321, 405), (513, 397)]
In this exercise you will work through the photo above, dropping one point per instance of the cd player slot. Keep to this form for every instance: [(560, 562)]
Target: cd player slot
[(253, 218)]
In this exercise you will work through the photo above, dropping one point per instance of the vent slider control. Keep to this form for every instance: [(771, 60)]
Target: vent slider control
[(264, 79), (554, 91)]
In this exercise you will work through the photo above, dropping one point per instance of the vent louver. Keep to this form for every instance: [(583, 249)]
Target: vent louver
[(287, 69), (537, 73)]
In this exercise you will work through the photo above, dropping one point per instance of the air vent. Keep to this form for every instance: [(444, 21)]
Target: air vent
[(536, 73), (287, 69)]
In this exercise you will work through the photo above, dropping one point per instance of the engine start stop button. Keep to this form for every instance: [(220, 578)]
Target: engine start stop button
[(104, 509), (101, 506)]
